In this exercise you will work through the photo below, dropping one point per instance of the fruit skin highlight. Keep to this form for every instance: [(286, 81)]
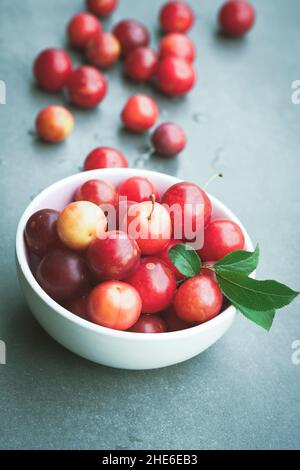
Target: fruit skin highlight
[(141, 64), (80, 223), (175, 76), (114, 256), (148, 223), (54, 123), (192, 209), (176, 17), (52, 68), (168, 139), (137, 189), (41, 233), (155, 283), (236, 17), (105, 157), (221, 237), (81, 28), (198, 299), (177, 45), (131, 34), (97, 191), (86, 87), (114, 304), (102, 7), (139, 113), (103, 50)]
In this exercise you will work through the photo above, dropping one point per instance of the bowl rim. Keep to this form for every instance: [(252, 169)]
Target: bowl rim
[(23, 264)]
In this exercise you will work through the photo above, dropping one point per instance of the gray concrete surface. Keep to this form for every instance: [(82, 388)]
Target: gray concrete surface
[(244, 391)]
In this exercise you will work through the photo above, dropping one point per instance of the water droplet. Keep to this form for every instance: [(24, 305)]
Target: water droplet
[(200, 117), (219, 158), (144, 152), (139, 162), (144, 149)]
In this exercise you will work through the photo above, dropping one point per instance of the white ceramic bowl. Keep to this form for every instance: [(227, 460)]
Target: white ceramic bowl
[(103, 345)]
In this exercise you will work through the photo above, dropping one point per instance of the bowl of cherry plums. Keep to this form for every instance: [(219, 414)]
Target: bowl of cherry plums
[(117, 265)]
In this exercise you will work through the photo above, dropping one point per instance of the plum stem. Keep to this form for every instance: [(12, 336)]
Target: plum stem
[(152, 199), (210, 266), (212, 178)]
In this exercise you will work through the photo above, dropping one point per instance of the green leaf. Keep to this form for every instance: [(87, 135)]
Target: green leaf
[(253, 294), (263, 318), (241, 261), (185, 259)]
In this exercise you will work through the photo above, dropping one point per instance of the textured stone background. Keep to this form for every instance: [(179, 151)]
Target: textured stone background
[(244, 391)]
